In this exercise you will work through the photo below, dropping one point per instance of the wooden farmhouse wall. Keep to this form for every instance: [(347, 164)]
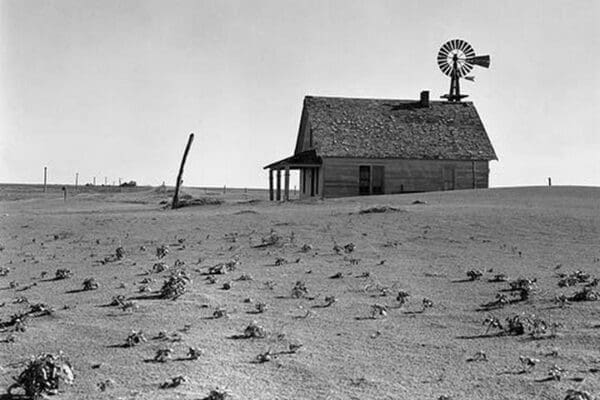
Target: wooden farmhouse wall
[(341, 175)]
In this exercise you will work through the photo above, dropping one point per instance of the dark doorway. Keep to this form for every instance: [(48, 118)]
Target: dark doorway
[(364, 179), (371, 179), (377, 182)]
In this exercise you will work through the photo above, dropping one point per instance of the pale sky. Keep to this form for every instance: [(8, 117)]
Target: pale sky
[(112, 88)]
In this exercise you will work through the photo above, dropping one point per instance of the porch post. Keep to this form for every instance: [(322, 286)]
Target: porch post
[(286, 195), (278, 194), (271, 194)]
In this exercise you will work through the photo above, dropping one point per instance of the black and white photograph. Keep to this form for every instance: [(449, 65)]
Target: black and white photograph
[(300, 199)]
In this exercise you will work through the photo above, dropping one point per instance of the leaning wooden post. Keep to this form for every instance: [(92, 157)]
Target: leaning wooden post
[(175, 203)]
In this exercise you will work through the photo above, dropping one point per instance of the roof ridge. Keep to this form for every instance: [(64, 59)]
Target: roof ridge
[(382, 99)]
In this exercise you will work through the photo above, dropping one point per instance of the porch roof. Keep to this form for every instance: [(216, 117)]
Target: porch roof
[(305, 159)]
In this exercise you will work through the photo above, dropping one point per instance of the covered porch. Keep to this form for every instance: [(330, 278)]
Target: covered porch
[(309, 166)]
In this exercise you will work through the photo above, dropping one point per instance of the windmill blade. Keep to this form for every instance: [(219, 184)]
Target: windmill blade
[(446, 47), (446, 69), (482, 61), (455, 44), (464, 46), (470, 78), (466, 68), (442, 62), (470, 52)]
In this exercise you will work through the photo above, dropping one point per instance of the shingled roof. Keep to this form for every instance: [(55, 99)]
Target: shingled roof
[(379, 128)]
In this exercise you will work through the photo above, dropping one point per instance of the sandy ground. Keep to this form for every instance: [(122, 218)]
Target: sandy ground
[(411, 353)]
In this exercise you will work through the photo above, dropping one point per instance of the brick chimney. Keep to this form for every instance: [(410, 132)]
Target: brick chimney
[(425, 98)]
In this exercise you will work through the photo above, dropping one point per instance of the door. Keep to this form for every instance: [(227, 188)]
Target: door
[(377, 181), (448, 176), (364, 179), (370, 179)]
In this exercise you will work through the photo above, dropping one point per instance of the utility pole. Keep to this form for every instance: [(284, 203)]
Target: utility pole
[(45, 176), (76, 179), (94, 181)]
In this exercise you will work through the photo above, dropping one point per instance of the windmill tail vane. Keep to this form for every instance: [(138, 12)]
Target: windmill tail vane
[(456, 59)]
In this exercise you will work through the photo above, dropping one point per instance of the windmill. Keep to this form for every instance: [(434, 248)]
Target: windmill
[(456, 59)]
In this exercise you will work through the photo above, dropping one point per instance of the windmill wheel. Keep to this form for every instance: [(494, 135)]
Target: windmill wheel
[(461, 51)]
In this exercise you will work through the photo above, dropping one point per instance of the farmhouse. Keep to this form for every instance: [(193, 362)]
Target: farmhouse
[(350, 147)]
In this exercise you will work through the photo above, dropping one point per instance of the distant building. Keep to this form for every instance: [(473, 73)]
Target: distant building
[(351, 147)]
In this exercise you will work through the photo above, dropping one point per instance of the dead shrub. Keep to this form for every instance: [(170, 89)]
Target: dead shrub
[(499, 278), (135, 338), (120, 253), (306, 248), (63, 273), (264, 357), (42, 376), (522, 284), (255, 331), (162, 251), (474, 275), (90, 284), (219, 313), (217, 395), (175, 286), (260, 307), (299, 290), (194, 353), (573, 278), (329, 301), (174, 382), (163, 355), (378, 310), (159, 267), (585, 294), (578, 395), (379, 209)]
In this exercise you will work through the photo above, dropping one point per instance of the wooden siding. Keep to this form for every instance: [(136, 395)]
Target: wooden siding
[(311, 182), (341, 175)]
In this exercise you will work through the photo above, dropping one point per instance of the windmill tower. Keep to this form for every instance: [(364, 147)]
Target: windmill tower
[(456, 59)]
